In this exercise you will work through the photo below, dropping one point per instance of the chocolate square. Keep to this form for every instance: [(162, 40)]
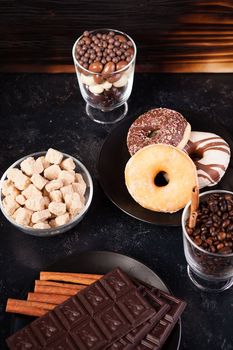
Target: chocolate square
[(135, 307), (88, 336), (63, 343), (94, 298), (47, 328), (112, 322), (116, 283), (24, 340), (71, 312), (160, 332)]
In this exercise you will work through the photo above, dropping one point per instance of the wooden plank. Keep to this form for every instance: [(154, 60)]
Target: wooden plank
[(38, 35)]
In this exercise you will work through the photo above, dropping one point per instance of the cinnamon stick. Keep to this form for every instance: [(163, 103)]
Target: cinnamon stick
[(55, 290), (80, 278), (30, 308), (194, 207), (43, 298), (59, 284)]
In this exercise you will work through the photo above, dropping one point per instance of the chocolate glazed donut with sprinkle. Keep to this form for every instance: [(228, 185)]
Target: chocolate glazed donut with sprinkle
[(159, 125)]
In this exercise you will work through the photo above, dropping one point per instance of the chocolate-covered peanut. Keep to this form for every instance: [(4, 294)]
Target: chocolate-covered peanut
[(96, 67), (108, 69)]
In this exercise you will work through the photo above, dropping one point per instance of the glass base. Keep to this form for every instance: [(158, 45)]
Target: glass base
[(207, 285), (107, 117)]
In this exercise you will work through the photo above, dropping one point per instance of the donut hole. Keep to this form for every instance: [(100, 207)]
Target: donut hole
[(196, 155), (152, 133), (161, 179)]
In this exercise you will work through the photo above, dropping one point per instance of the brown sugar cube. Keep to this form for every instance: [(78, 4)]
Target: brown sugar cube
[(8, 188), (67, 177), (52, 172), (20, 180), (27, 165), (68, 164), (53, 156), (73, 203), (41, 225), (40, 216), (38, 181), (82, 184), (57, 208), (66, 190), (35, 203), (31, 191), (13, 173), (56, 196), (54, 185), (20, 199), (23, 216), (31, 166), (38, 167), (10, 204), (62, 219), (79, 188), (45, 163)]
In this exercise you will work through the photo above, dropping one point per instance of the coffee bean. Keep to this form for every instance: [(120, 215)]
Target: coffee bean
[(226, 223), (221, 236), (220, 246), (230, 228), (196, 232), (198, 241), (215, 218), (209, 241)]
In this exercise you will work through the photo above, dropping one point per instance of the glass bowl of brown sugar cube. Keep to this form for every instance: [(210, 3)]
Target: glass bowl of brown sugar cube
[(46, 193)]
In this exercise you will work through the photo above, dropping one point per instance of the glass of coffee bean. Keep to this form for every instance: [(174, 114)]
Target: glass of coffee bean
[(104, 60), (208, 247)]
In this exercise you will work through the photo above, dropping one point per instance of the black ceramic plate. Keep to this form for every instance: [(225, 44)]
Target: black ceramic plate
[(100, 262), (114, 156)]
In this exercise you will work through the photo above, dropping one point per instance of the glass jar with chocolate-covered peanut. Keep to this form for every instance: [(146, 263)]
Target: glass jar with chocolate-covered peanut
[(105, 61)]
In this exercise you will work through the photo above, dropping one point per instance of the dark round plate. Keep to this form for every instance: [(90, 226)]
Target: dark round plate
[(114, 156), (101, 262)]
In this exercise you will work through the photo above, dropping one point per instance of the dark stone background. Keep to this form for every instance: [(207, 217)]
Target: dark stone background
[(41, 111)]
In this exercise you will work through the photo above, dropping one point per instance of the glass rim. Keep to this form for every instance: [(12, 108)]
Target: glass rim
[(216, 255), (105, 29), (51, 229)]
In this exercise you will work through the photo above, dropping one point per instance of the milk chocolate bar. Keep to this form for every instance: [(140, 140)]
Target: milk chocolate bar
[(95, 318)]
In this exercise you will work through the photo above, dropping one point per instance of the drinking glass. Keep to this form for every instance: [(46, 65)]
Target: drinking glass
[(106, 95), (208, 271)]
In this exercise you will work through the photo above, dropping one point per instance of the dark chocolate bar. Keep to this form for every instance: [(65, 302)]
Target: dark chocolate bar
[(95, 318), (131, 339), (156, 332), (157, 336)]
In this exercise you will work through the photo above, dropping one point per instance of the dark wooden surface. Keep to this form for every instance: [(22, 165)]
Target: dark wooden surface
[(171, 35)]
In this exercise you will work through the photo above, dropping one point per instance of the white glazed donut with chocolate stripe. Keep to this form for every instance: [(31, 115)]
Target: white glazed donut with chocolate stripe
[(211, 155)]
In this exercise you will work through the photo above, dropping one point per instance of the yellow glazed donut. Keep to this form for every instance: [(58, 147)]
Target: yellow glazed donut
[(176, 166)]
